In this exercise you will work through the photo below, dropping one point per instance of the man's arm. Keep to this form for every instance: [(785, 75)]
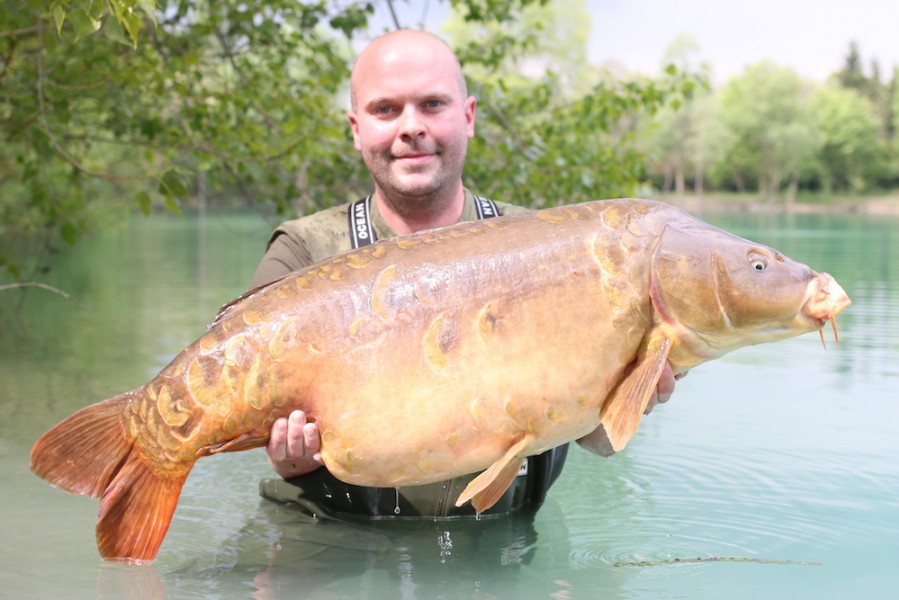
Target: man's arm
[(284, 255)]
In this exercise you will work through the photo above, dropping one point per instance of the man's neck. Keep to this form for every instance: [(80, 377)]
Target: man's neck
[(408, 217)]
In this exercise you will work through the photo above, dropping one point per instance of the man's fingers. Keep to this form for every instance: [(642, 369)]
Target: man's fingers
[(294, 447), (277, 443), (313, 441), (296, 444), (664, 390), (311, 438), (666, 384)]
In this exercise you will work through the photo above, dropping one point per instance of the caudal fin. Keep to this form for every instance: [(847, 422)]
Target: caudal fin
[(92, 453)]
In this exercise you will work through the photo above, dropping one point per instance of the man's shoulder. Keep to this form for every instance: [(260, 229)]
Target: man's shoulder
[(508, 209), (327, 219), (315, 237)]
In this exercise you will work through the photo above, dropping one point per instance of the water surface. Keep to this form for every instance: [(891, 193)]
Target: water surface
[(770, 474)]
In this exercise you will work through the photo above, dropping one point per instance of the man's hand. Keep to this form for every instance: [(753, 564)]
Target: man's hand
[(598, 442), (664, 389), (295, 446)]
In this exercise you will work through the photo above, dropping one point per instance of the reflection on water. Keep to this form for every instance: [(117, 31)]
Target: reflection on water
[(782, 452)]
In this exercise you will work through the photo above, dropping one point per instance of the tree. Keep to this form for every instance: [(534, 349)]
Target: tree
[(852, 153), (894, 125), (852, 77), (770, 130), (679, 135)]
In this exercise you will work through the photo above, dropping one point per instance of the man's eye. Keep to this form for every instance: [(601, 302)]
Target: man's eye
[(434, 103)]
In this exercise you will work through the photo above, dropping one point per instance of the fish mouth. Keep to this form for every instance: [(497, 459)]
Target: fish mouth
[(825, 301)]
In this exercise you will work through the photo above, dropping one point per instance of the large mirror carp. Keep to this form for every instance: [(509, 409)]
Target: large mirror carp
[(446, 352)]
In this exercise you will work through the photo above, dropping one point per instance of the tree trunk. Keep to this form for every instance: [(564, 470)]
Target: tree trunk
[(698, 183), (679, 185), (791, 191), (666, 184), (773, 184)]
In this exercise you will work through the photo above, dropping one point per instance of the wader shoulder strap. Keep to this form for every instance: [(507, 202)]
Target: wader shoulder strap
[(485, 207), (362, 233)]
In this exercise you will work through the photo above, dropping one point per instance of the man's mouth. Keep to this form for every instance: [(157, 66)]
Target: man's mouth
[(413, 160)]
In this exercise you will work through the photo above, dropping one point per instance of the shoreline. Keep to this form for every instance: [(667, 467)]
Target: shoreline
[(872, 205)]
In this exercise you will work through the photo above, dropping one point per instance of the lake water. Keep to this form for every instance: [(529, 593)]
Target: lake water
[(772, 473)]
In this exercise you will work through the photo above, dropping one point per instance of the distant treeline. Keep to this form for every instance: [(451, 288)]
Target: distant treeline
[(772, 132)]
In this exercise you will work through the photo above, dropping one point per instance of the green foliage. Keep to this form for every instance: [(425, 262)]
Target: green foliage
[(96, 108), (551, 128), (86, 18), (893, 141), (492, 11), (538, 148), (852, 153), (682, 136), (770, 132), (112, 105)]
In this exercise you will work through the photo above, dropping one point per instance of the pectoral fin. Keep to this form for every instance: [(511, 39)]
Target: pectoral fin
[(623, 410), (487, 488)]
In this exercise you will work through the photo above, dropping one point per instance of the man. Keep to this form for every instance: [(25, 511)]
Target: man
[(411, 119)]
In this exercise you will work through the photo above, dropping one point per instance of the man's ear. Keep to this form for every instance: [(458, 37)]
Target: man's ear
[(354, 127), (471, 106)]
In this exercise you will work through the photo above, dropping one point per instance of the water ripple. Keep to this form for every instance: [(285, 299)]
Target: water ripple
[(774, 505)]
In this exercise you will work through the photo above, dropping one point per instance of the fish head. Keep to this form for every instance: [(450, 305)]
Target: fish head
[(715, 292)]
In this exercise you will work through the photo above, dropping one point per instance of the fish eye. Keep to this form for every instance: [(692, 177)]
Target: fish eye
[(758, 263)]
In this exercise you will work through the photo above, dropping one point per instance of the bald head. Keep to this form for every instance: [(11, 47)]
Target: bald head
[(411, 119), (396, 52)]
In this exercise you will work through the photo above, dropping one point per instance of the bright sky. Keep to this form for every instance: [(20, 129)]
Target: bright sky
[(810, 36)]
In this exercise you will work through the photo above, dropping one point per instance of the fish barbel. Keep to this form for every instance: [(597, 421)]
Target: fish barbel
[(442, 353)]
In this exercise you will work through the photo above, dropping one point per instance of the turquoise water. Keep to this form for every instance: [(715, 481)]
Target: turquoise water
[(771, 473)]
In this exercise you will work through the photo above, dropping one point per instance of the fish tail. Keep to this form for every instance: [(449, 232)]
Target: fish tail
[(91, 453)]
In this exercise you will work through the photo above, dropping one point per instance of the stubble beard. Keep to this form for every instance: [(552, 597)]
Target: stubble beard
[(415, 191)]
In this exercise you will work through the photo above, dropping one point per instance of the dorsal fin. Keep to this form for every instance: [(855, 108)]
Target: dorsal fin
[(229, 306)]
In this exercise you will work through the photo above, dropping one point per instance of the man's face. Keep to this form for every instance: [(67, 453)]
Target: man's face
[(411, 120)]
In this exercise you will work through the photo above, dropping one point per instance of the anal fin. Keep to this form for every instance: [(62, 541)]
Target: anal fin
[(487, 488), (622, 411), (245, 441)]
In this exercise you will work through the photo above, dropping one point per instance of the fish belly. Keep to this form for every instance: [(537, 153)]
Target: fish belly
[(446, 390)]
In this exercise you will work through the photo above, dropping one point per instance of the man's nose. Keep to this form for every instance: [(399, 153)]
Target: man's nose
[(412, 124)]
